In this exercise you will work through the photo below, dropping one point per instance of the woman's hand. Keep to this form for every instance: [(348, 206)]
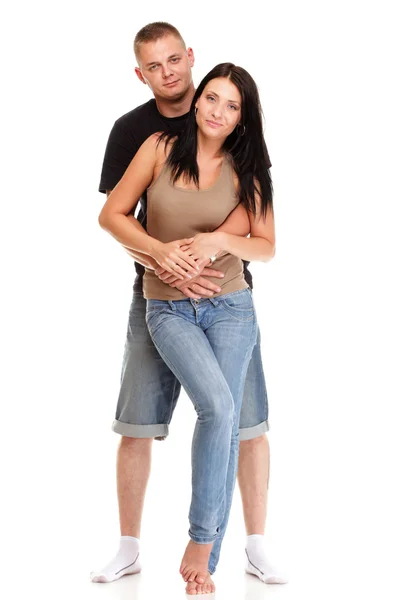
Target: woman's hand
[(176, 261), (204, 246)]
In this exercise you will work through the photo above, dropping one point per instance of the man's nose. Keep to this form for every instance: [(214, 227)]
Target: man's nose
[(166, 71)]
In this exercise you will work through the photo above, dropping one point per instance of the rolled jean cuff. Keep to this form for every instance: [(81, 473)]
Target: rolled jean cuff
[(140, 431), (198, 539), (249, 433)]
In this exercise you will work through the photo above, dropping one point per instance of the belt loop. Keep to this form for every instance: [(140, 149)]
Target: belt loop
[(214, 301), (171, 304)]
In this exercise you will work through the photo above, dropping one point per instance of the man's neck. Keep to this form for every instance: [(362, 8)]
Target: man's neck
[(177, 108)]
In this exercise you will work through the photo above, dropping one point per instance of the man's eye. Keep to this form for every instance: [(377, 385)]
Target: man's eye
[(174, 60), (153, 67)]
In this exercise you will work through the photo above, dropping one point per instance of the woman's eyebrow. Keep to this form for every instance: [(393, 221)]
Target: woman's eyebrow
[(214, 94)]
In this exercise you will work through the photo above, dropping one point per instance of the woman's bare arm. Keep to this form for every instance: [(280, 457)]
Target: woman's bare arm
[(237, 223), (230, 237), (261, 245), (142, 259), (116, 217)]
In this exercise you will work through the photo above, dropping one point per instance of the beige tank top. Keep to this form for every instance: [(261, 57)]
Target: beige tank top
[(175, 213)]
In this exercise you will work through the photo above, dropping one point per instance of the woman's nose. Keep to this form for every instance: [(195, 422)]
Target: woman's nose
[(216, 112)]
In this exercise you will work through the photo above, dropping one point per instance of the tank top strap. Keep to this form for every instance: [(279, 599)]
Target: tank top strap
[(163, 177), (227, 172)]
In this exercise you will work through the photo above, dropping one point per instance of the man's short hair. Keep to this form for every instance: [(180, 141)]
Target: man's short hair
[(153, 32)]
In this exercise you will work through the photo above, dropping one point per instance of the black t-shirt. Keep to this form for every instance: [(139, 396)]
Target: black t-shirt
[(127, 135)]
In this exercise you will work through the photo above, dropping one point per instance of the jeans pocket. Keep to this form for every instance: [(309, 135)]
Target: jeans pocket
[(156, 310), (240, 306)]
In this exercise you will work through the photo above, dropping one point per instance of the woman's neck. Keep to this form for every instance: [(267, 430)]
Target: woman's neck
[(208, 149)]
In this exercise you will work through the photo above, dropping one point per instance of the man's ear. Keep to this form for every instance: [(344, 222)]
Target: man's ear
[(191, 56), (140, 75)]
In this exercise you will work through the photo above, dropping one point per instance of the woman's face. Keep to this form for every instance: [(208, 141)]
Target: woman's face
[(219, 108)]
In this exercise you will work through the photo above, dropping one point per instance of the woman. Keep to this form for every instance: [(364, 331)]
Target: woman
[(214, 168)]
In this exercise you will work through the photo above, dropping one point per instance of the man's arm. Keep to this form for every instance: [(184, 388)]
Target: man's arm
[(120, 150)]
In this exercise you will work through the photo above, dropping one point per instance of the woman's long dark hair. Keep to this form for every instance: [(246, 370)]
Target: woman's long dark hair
[(245, 144)]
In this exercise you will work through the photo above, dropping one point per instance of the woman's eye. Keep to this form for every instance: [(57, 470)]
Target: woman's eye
[(232, 106), (210, 98)]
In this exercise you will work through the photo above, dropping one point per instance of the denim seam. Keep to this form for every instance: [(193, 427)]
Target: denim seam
[(172, 399)]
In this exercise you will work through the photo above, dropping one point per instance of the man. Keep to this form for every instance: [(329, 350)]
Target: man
[(149, 390)]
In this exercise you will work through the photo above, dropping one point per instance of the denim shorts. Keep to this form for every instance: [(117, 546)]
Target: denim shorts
[(149, 390)]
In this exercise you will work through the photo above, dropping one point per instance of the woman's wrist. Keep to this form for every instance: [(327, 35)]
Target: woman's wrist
[(220, 241), (153, 247)]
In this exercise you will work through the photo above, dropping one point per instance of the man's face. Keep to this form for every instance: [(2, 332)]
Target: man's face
[(165, 66)]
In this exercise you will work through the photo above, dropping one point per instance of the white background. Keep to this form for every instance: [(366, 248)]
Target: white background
[(326, 303)]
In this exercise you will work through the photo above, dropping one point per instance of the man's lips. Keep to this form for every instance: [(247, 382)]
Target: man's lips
[(171, 83)]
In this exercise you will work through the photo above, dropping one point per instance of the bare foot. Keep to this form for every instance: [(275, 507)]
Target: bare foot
[(207, 587), (194, 564)]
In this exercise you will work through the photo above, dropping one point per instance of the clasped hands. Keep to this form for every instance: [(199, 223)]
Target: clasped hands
[(183, 264)]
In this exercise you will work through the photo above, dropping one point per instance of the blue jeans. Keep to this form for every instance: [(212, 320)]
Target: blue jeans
[(208, 345)]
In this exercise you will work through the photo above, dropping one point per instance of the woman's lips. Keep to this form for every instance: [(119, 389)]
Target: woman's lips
[(213, 124)]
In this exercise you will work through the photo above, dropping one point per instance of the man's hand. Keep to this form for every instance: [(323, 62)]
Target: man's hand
[(197, 287)]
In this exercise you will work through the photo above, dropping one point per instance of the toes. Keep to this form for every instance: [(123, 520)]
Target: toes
[(191, 588), (192, 576), (201, 577), (199, 589)]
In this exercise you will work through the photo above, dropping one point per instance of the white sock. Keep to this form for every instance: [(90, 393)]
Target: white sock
[(257, 563), (126, 562)]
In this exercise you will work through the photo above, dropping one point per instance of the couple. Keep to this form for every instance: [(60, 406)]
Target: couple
[(204, 186)]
